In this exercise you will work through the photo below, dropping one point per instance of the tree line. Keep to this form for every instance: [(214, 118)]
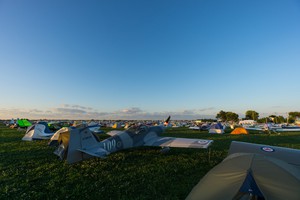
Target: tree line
[(253, 115)]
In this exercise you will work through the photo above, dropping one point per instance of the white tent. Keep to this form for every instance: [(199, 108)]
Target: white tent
[(216, 128), (39, 131)]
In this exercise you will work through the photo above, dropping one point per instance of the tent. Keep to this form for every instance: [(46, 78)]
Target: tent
[(249, 176), (12, 121), (95, 127), (216, 128), (56, 125), (23, 123), (117, 125), (72, 155), (39, 131), (55, 136), (239, 130), (288, 155)]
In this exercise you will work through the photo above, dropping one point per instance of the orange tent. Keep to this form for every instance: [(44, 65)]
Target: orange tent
[(239, 130)]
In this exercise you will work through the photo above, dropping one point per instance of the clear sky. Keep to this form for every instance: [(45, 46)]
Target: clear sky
[(126, 59)]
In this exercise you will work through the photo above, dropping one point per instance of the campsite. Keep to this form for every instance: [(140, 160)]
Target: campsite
[(149, 100), (30, 170)]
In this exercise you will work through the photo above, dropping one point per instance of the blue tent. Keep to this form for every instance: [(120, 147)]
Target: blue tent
[(216, 126)]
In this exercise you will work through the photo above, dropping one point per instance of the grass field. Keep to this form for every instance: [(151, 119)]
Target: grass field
[(30, 170)]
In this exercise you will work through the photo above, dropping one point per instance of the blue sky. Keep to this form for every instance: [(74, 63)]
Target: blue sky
[(138, 59)]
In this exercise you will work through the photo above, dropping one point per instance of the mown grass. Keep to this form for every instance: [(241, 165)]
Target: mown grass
[(30, 170)]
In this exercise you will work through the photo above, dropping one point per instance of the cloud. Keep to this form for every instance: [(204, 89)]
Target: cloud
[(188, 112), (98, 113), (185, 114), (77, 106), (206, 109), (276, 107), (131, 111), (81, 107), (35, 111), (77, 112), (68, 111)]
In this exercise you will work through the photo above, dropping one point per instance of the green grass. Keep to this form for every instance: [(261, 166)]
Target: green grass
[(30, 170)]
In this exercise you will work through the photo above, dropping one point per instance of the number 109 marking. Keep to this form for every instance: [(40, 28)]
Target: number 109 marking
[(109, 145)]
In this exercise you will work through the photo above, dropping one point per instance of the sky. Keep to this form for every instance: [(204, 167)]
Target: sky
[(141, 59)]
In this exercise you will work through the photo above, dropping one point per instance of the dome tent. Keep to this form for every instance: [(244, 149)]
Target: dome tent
[(243, 175), (216, 128), (38, 131), (239, 130)]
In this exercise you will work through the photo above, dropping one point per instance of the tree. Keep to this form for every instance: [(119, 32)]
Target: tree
[(227, 116), (280, 119), (277, 119), (251, 114), (292, 116), (273, 118), (221, 115), (230, 116), (264, 120)]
